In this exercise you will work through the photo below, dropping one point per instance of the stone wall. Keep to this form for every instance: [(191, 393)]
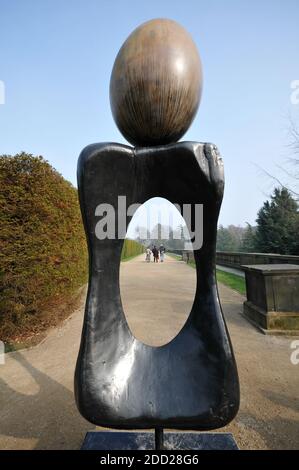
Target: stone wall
[(237, 259)]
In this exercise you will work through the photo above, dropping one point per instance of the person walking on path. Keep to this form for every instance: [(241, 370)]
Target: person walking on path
[(155, 252), (148, 255), (162, 252)]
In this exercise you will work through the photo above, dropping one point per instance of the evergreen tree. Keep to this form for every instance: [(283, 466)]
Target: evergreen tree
[(248, 244), (278, 224)]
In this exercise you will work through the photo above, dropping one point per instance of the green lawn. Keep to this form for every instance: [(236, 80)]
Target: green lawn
[(232, 280), (228, 279), (173, 255)]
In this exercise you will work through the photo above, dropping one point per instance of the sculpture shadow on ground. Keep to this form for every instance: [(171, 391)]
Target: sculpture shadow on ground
[(49, 416), (285, 400), (266, 431)]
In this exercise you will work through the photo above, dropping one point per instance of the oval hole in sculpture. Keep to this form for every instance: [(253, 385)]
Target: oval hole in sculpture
[(157, 297)]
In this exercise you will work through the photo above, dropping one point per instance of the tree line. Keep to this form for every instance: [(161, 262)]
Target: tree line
[(172, 239), (276, 229)]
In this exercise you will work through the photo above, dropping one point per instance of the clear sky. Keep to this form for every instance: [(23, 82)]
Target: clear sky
[(56, 58)]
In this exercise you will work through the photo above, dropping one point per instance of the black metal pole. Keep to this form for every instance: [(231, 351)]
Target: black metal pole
[(158, 438)]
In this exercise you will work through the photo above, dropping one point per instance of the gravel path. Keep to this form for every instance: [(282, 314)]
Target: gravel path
[(36, 386)]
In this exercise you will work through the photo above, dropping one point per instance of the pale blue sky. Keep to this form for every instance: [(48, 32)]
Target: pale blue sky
[(56, 58)]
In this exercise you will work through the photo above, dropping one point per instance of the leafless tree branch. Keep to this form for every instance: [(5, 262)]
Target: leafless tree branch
[(278, 181)]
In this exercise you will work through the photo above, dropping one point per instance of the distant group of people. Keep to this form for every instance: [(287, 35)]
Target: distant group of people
[(157, 253)]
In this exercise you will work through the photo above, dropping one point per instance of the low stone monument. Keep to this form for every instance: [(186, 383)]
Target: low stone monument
[(272, 303), (191, 383)]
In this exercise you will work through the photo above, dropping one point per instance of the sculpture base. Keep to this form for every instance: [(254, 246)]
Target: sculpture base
[(110, 440)]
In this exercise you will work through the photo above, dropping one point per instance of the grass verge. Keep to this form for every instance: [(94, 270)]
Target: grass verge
[(230, 280), (233, 281), (174, 256)]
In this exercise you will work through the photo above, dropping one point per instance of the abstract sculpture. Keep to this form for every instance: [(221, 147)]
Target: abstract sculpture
[(191, 382)]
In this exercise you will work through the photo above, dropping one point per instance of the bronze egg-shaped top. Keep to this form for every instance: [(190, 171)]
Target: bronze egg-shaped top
[(156, 84)]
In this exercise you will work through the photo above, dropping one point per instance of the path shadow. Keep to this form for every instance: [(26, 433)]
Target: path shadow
[(288, 401), (277, 432), (50, 416)]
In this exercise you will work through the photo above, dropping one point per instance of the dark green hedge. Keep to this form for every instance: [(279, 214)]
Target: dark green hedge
[(131, 248), (42, 243)]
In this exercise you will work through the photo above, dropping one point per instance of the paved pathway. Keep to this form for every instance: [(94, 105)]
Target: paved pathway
[(37, 408)]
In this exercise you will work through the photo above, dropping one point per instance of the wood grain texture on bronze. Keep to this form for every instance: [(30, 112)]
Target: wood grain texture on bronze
[(156, 84)]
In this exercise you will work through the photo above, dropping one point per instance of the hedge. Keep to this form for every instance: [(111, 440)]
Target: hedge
[(131, 248), (43, 254), (42, 243)]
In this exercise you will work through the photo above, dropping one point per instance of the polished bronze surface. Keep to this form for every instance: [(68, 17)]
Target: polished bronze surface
[(192, 381), (156, 84)]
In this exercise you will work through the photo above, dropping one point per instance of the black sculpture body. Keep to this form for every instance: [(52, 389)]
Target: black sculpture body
[(191, 382)]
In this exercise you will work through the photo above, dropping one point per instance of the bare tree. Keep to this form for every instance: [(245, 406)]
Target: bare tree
[(289, 178), (294, 143)]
